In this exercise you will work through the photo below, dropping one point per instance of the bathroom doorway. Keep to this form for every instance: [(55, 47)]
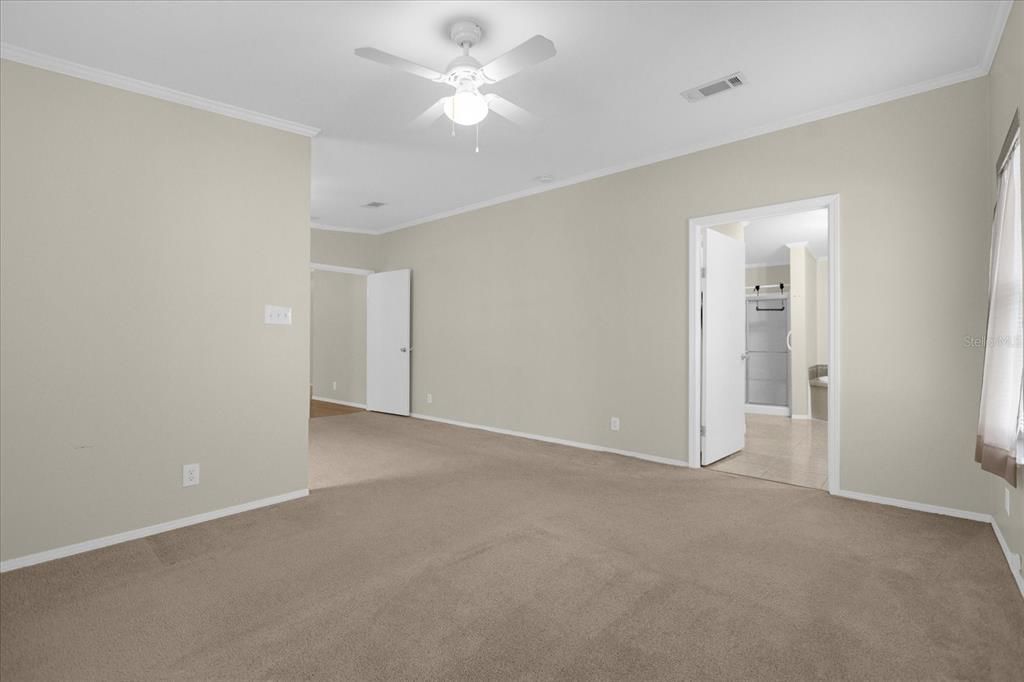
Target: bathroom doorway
[(764, 400)]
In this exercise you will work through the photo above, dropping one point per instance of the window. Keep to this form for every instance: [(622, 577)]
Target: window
[(1000, 427)]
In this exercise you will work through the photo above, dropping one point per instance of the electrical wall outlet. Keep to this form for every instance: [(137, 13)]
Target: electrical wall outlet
[(430, 397), (334, 385), (189, 475), (615, 424)]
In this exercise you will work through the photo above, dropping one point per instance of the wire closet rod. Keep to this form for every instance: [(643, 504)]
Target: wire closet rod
[(767, 286)]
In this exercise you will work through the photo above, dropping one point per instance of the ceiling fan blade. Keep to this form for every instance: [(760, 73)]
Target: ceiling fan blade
[(513, 112), (434, 112), (533, 51), (375, 55)]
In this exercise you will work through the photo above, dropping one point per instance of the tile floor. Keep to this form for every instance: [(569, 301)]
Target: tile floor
[(784, 450)]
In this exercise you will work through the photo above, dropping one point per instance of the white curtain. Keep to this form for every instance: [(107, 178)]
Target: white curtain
[(1001, 396)]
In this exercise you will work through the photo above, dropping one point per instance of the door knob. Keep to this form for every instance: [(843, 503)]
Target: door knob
[(403, 349), (743, 356)]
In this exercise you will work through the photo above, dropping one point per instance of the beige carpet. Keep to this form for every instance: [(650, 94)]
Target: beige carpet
[(435, 552)]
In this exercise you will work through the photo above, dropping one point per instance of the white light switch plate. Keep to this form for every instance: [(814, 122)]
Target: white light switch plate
[(615, 424), (277, 314)]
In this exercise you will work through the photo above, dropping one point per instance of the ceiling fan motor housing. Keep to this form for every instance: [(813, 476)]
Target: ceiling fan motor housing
[(466, 33), (463, 68), (468, 106)]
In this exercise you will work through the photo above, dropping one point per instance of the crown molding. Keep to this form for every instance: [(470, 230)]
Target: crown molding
[(75, 70), (1002, 14), (333, 228), (792, 122)]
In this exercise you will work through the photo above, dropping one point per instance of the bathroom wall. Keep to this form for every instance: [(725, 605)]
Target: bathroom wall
[(767, 274), (803, 316), (822, 316), (735, 230)]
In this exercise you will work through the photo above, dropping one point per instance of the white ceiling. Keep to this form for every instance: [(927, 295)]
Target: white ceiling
[(765, 240), (609, 99)]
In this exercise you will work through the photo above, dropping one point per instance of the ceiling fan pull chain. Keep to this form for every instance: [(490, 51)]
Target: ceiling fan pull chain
[(477, 138)]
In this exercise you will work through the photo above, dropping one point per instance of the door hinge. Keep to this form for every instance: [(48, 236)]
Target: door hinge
[(703, 431), (703, 273)]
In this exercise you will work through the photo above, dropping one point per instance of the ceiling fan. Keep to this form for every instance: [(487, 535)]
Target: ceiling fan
[(468, 106)]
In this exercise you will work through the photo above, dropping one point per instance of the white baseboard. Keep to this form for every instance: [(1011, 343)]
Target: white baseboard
[(89, 545), (1014, 560), (556, 441), (339, 402), (800, 417), (1011, 558), (774, 410), (916, 506)]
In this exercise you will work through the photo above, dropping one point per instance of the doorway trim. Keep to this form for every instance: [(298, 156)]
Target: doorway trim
[(696, 229), (339, 268)]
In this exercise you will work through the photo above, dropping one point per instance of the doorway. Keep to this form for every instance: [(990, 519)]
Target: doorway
[(360, 333), (764, 360)]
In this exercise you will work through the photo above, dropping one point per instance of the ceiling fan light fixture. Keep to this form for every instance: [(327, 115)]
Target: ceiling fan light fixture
[(467, 107)]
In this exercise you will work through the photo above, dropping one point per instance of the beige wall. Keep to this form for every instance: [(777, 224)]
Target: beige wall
[(338, 348), (349, 249), (767, 274), (552, 313), (1006, 81), (338, 334), (139, 242)]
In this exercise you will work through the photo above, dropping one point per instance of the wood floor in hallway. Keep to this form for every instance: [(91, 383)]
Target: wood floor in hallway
[(322, 408)]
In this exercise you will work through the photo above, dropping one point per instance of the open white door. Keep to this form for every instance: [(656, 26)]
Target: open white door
[(724, 345), (388, 297)]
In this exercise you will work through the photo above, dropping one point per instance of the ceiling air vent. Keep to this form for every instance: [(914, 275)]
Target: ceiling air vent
[(374, 204), (714, 87)]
